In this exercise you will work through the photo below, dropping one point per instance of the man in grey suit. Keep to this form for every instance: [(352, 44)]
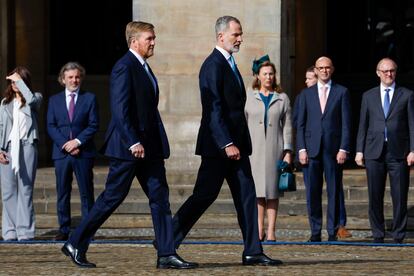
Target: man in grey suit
[(385, 143)]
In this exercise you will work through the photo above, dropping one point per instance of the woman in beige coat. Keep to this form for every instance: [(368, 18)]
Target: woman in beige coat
[(268, 116)]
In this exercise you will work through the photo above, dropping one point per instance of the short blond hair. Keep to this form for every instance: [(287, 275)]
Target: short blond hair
[(135, 28)]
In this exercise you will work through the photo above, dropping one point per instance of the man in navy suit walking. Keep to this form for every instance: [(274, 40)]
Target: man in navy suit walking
[(224, 145), (136, 144), (73, 147), (323, 141), (385, 144)]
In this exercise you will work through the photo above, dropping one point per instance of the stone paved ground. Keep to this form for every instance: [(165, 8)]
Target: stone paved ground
[(137, 259)]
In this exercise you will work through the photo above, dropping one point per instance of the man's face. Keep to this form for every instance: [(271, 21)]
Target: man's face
[(310, 79), (72, 79), (231, 39), (144, 44), (387, 72), (324, 69)]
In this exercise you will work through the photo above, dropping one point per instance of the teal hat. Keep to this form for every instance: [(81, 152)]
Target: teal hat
[(258, 62)]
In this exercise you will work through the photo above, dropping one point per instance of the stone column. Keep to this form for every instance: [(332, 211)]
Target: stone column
[(185, 37)]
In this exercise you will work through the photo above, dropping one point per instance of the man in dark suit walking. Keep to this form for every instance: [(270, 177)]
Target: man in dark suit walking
[(137, 145), (73, 147), (385, 143), (224, 145), (323, 141)]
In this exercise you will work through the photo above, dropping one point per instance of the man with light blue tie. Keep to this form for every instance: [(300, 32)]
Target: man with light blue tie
[(73, 150), (385, 144)]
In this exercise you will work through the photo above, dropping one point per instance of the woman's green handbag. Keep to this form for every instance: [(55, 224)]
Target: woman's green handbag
[(287, 180)]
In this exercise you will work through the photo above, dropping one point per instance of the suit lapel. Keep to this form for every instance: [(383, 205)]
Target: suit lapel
[(376, 101), (142, 79), (62, 102), (78, 105), (331, 98), (395, 98), (315, 98)]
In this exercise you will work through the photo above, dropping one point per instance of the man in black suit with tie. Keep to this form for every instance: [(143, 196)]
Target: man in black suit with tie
[(323, 142), (136, 144), (385, 143), (224, 145)]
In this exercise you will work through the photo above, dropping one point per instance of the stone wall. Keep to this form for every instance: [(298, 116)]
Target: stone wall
[(185, 36)]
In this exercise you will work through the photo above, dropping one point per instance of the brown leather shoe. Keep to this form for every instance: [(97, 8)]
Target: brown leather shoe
[(343, 233)]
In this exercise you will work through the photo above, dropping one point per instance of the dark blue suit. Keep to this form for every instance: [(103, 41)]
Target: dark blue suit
[(342, 209), (135, 118), (323, 135), (382, 157), (84, 125), (223, 98)]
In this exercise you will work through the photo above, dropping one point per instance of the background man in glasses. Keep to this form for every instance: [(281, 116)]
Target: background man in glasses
[(385, 143), (323, 141)]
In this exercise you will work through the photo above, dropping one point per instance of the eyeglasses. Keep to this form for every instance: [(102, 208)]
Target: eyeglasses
[(326, 68), (391, 71)]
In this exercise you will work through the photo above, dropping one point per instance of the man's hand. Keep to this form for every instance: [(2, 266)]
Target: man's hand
[(74, 152), (341, 157), (303, 157), (232, 152), (138, 151), (3, 158), (410, 159), (359, 159), (70, 145)]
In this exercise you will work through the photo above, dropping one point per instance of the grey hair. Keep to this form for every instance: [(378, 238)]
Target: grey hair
[(222, 23), (70, 66)]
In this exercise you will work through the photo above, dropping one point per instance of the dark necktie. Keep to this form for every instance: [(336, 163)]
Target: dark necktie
[(71, 110), (153, 80), (386, 108), (234, 68)]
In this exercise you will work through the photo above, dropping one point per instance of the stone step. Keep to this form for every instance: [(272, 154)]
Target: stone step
[(207, 221), (182, 192), (220, 206)]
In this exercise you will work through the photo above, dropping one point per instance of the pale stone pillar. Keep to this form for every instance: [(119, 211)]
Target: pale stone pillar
[(185, 37)]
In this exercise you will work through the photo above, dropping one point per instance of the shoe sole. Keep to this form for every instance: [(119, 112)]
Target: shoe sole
[(174, 267)]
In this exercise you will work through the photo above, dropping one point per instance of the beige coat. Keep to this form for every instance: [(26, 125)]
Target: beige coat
[(268, 149)]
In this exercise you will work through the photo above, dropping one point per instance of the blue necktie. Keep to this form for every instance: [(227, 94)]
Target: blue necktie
[(234, 68), (386, 108), (153, 80)]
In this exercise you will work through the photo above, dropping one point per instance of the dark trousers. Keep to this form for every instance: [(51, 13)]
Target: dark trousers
[(210, 178), (342, 208), (323, 164), (151, 176), (399, 174), (64, 169)]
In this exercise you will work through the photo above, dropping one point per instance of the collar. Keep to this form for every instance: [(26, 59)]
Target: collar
[(223, 52), (67, 92), (383, 87), (141, 59), (329, 85)]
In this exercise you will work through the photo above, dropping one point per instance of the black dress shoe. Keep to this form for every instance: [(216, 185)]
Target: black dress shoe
[(378, 240), (61, 237), (260, 259), (78, 258), (315, 239), (174, 261), (332, 238)]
